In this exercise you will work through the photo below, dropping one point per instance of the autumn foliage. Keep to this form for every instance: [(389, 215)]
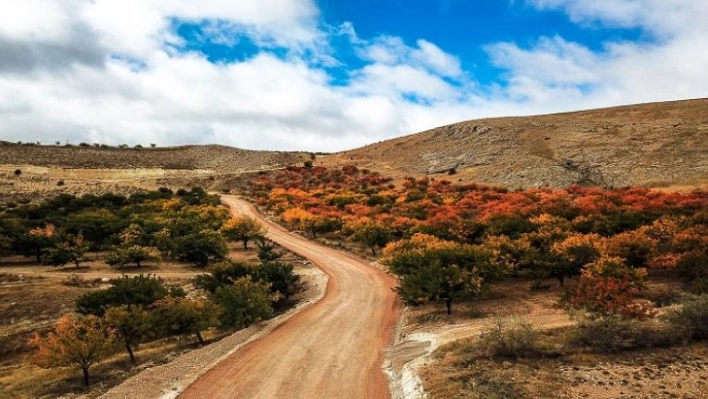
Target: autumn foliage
[(577, 233)]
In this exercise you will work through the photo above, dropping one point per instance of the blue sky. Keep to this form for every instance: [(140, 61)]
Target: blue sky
[(330, 75)]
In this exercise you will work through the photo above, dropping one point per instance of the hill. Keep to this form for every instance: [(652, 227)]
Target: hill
[(651, 145), (210, 157)]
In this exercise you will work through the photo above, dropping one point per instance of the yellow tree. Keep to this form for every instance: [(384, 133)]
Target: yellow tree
[(244, 229), (75, 342)]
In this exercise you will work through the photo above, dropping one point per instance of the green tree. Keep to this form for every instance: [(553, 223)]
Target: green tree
[(136, 254), (280, 277), (221, 274), (244, 229), (74, 342), (372, 235), (70, 249), (244, 302), (183, 316), (132, 324), (434, 270), (200, 248), (266, 251), (137, 290), (36, 242)]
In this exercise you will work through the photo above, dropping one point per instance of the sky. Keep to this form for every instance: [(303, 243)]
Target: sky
[(330, 75)]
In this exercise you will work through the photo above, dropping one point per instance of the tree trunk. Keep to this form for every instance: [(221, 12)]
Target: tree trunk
[(448, 304), (86, 375), (130, 353), (373, 251), (200, 339), (138, 263), (245, 243)]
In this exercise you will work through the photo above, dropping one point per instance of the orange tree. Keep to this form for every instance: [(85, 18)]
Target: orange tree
[(75, 342)]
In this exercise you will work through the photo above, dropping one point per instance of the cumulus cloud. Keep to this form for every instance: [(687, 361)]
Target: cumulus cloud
[(554, 71), (118, 71)]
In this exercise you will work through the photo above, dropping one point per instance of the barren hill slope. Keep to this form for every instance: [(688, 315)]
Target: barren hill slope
[(654, 145), (212, 157)]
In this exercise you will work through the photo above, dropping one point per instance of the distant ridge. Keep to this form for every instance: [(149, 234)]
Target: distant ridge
[(653, 145), (212, 157)]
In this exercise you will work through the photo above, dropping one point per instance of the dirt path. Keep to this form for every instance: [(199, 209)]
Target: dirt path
[(333, 349)]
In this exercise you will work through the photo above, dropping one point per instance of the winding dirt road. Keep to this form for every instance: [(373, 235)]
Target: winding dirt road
[(333, 349)]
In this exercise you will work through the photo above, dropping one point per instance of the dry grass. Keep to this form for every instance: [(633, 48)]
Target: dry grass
[(33, 297), (557, 367)]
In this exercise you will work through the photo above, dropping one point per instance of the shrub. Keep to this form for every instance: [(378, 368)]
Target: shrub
[(18, 172), (511, 339), (691, 316), (244, 302), (60, 183), (611, 333)]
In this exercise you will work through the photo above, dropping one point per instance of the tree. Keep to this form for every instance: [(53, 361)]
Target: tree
[(266, 251), (186, 316), (244, 302), (75, 342), (279, 276), (573, 253), (435, 270), (137, 290), (132, 324), (37, 241), (221, 274), (609, 287), (70, 249), (132, 254), (200, 248), (372, 235), (244, 229)]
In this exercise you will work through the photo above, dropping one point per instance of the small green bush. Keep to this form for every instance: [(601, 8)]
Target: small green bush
[(691, 316), (511, 339), (611, 333)]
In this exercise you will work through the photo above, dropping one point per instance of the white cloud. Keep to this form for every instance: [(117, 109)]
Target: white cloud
[(555, 74), (436, 59), (114, 71), (36, 20)]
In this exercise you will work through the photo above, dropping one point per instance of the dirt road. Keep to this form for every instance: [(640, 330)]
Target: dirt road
[(333, 349)]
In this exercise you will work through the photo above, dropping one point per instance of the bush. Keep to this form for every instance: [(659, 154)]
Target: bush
[(244, 302), (60, 183), (137, 290), (611, 333), (511, 339), (691, 317)]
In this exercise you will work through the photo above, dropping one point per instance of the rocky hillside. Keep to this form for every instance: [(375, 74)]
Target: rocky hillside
[(653, 145), (210, 157)]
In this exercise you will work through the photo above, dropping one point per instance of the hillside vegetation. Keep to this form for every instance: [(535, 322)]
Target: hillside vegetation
[(650, 145)]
